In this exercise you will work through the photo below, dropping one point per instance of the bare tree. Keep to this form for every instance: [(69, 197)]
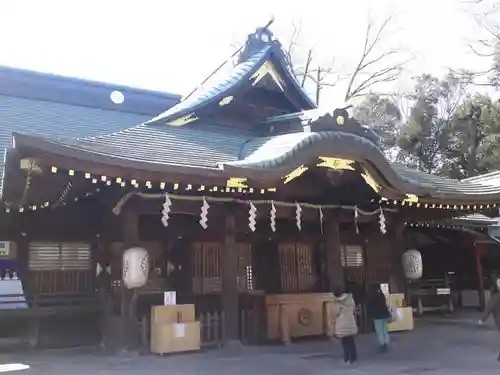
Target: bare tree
[(309, 71), (485, 13), (375, 65)]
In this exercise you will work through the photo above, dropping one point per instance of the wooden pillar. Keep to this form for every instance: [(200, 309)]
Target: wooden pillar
[(229, 266), (478, 250), (395, 233), (334, 269), (128, 301)]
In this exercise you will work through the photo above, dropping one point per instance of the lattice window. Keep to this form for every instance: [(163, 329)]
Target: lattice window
[(207, 273), (206, 268), (249, 277), (67, 256), (297, 270), (245, 271), (352, 256)]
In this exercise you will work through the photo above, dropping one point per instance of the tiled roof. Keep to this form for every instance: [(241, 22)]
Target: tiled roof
[(445, 185), (240, 154), (492, 178), (225, 82), (53, 106), (56, 120), (216, 87), (282, 153), (476, 219), (20, 83), (157, 145)]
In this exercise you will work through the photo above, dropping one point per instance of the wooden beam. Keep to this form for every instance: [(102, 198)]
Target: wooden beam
[(129, 298), (229, 264), (395, 231), (334, 268)]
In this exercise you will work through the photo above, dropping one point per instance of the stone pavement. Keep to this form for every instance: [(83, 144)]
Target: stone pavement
[(443, 346)]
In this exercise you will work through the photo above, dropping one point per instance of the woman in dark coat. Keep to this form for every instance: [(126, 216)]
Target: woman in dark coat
[(377, 309), (493, 307)]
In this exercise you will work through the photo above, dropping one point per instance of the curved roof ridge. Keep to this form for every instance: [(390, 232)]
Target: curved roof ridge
[(215, 87), (259, 46)]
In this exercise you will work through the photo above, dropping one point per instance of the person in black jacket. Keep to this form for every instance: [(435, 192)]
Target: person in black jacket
[(377, 309)]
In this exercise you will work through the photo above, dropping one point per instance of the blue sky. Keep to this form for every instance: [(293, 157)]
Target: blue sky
[(171, 46)]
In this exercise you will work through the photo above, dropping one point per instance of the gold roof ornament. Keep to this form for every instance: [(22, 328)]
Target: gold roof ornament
[(336, 163), (268, 69), (294, 174), (226, 101), (412, 198), (237, 182), (371, 182), (183, 120)]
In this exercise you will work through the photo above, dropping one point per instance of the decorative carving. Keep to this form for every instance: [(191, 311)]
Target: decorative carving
[(336, 163), (295, 173), (237, 182), (255, 42), (305, 316), (371, 182), (180, 121), (226, 101), (411, 198), (339, 120)]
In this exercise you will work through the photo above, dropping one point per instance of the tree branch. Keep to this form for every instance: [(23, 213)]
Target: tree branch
[(367, 65)]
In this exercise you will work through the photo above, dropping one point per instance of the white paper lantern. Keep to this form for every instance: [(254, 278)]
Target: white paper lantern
[(413, 265), (135, 267)]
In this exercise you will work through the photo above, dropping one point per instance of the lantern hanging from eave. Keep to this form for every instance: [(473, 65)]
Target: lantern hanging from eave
[(413, 265), (135, 267)]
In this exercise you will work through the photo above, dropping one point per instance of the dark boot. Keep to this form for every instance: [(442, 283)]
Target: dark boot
[(383, 349)]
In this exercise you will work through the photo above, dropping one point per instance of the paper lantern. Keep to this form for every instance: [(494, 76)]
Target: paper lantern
[(135, 267), (413, 264)]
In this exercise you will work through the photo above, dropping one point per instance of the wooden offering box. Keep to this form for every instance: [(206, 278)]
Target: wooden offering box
[(298, 315), (175, 338), (172, 314), (397, 301), (174, 329)]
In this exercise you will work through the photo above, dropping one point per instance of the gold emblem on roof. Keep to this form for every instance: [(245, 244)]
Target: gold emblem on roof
[(183, 120), (226, 100), (294, 174), (336, 163), (371, 182), (237, 182), (267, 69), (411, 198)]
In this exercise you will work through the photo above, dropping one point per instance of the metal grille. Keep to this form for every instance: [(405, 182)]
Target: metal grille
[(50, 256), (352, 256)]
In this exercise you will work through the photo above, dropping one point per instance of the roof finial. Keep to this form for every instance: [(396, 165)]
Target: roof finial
[(256, 41)]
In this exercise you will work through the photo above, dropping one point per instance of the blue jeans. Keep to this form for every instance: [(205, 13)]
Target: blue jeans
[(382, 331)]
